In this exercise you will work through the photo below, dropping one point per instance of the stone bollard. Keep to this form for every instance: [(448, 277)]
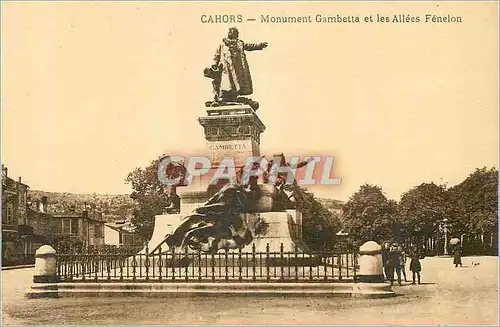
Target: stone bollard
[(45, 265), (370, 263)]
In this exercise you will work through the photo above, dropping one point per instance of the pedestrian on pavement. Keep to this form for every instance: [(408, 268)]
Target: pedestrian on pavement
[(457, 256), (403, 263), (395, 262), (385, 259), (415, 266)]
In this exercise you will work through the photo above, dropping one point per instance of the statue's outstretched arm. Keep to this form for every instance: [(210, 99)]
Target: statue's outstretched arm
[(254, 46)]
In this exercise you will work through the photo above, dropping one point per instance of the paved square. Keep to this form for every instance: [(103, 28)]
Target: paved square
[(448, 295)]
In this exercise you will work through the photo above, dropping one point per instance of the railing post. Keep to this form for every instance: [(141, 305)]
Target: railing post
[(240, 265), (84, 262), (325, 265), (282, 263), (296, 250), (95, 263), (226, 264), (212, 264), (173, 263), (340, 266), (160, 264), (267, 263), (109, 263), (311, 258), (253, 263), (186, 264), (134, 267), (355, 266), (199, 265), (146, 262), (347, 264), (71, 262), (120, 264)]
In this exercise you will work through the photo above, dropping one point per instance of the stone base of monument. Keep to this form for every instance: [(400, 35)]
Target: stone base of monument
[(88, 289), (273, 231), (164, 224)]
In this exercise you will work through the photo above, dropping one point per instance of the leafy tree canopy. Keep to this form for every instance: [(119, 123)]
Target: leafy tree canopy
[(423, 208), (150, 196), (370, 216), (476, 201)]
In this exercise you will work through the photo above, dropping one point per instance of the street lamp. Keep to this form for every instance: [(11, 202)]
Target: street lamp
[(445, 229)]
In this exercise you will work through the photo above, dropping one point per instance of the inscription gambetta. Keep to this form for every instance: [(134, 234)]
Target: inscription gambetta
[(227, 147)]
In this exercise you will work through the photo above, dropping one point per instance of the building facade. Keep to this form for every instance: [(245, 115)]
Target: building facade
[(28, 224), (15, 225), (75, 229), (121, 233)]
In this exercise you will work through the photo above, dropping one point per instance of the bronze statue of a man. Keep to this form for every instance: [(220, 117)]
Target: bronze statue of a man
[(230, 70)]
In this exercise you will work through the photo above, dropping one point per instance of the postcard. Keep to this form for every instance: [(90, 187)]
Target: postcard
[(250, 163)]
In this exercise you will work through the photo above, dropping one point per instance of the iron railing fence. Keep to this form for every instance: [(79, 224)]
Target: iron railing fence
[(121, 264)]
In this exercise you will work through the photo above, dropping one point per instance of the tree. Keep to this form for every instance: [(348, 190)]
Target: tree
[(150, 196), (319, 224), (476, 202), (370, 216), (423, 209)]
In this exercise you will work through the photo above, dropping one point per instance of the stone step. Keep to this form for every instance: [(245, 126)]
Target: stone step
[(168, 289)]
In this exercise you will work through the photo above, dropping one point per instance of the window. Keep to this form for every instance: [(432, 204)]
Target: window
[(66, 226), (85, 227), (74, 226), (52, 226), (98, 231), (22, 198), (10, 213), (129, 239)]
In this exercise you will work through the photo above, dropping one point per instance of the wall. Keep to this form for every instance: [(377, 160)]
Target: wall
[(111, 236), (96, 233)]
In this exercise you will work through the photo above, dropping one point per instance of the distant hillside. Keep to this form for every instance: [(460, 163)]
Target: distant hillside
[(111, 207), (331, 204), (102, 206)]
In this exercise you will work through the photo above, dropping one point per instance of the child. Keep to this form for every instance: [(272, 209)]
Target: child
[(415, 266)]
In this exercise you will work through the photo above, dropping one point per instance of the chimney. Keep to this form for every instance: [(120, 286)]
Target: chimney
[(4, 170), (20, 182), (44, 204)]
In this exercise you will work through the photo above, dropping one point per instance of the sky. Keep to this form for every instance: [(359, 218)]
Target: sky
[(91, 90)]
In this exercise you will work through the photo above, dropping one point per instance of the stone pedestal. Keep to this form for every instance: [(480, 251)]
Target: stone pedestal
[(370, 263), (192, 199), (164, 224), (232, 131), (281, 227), (45, 265)]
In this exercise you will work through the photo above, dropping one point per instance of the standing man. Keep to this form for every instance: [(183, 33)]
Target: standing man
[(403, 263), (385, 260), (231, 61), (395, 262)]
